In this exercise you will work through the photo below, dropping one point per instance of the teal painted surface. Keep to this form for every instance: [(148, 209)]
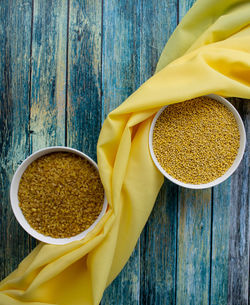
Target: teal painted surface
[(231, 230), (120, 52), (48, 73), (158, 240), (15, 38), (64, 65), (84, 75), (128, 60), (158, 250), (158, 20), (120, 77), (220, 242), (193, 247), (194, 235), (239, 246)]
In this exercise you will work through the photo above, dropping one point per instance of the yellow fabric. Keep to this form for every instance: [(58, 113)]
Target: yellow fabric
[(208, 53)]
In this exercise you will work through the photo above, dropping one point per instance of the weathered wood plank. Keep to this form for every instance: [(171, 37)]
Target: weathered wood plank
[(230, 236), (158, 240), (158, 250), (193, 264), (120, 77), (239, 247), (220, 243), (120, 52), (194, 232), (15, 40), (48, 77), (136, 53), (132, 41), (158, 20), (84, 75), (125, 288)]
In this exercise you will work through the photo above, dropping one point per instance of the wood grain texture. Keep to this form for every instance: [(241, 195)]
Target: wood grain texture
[(84, 75), (132, 59), (193, 251), (158, 250), (125, 289), (220, 243), (120, 52), (158, 240), (158, 20), (230, 231), (120, 77), (194, 235), (239, 247), (15, 39), (87, 58), (48, 77)]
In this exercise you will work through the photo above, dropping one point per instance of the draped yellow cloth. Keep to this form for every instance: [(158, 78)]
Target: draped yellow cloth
[(208, 53)]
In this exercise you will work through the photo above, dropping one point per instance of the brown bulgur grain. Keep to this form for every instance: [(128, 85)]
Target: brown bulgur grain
[(196, 141), (60, 194)]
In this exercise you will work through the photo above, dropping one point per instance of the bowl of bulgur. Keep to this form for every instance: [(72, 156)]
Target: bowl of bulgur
[(57, 195), (197, 143)]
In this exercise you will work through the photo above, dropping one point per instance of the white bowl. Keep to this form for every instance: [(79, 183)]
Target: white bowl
[(15, 202), (228, 172)]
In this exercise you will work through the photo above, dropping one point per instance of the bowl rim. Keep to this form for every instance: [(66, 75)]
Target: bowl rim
[(231, 169), (15, 202)]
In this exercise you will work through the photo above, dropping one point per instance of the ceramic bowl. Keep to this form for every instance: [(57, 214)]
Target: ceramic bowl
[(229, 172), (15, 202)]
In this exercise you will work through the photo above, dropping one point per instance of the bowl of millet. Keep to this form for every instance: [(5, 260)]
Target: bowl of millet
[(197, 143), (57, 195)]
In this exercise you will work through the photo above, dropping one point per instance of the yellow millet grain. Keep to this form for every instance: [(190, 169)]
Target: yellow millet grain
[(60, 194), (196, 141)]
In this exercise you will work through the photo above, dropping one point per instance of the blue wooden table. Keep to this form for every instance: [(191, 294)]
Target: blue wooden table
[(64, 65)]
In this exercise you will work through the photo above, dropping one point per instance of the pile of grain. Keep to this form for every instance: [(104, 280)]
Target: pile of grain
[(60, 194), (196, 141)]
